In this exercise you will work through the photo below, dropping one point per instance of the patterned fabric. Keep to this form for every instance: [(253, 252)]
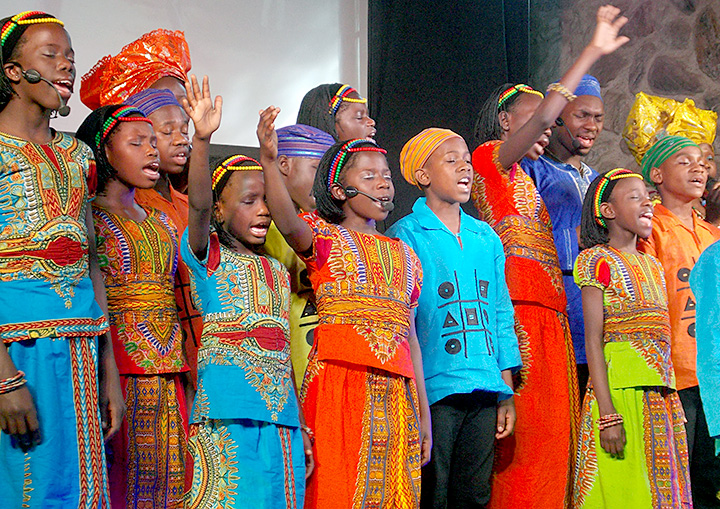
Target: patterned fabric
[(367, 437), (141, 63), (465, 322), (43, 240), (300, 140), (244, 300), (138, 262), (636, 331), (241, 463), (150, 100), (303, 310), (62, 377), (527, 473), (418, 149), (146, 459), (678, 247), (190, 318), (562, 187), (654, 469), (705, 284), (589, 85), (365, 286)]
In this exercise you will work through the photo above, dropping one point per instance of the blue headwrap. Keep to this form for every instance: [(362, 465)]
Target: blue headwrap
[(589, 85), (301, 140), (151, 100)]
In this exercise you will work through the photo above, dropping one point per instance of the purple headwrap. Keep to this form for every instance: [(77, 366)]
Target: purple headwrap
[(300, 140), (151, 100)]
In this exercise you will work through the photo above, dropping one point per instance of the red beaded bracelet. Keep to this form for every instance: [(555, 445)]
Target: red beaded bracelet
[(12, 383)]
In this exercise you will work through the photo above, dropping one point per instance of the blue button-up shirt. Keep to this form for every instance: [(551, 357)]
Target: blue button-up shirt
[(464, 319), (563, 188)]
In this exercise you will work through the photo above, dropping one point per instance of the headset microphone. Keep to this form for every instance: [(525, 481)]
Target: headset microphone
[(32, 76), (561, 123), (352, 192)]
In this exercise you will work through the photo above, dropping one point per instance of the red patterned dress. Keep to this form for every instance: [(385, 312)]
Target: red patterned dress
[(359, 393), (138, 261), (653, 470), (533, 467)]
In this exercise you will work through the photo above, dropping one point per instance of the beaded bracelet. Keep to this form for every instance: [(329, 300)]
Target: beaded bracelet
[(562, 90), (12, 383), (310, 433), (608, 421)]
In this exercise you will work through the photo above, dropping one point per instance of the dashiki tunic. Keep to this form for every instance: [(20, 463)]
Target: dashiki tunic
[(359, 394), (138, 260), (49, 321), (245, 438), (653, 471), (527, 470)]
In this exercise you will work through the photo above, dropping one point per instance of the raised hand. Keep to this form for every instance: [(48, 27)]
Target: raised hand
[(609, 23), (266, 133), (200, 108)]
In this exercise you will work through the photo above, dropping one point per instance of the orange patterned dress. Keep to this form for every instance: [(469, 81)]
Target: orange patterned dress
[(359, 394), (533, 467), (138, 260)]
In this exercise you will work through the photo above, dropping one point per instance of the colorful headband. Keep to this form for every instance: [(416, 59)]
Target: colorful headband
[(234, 163), (120, 115), (342, 96), (13, 27), (521, 87), (660, 152), (341, 157), (605, 179), (22, 19)]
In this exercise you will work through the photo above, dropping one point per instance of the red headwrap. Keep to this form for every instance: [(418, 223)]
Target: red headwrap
[(141, 63)]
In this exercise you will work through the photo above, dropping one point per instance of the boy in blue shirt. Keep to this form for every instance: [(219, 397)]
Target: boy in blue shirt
[(464, 322)]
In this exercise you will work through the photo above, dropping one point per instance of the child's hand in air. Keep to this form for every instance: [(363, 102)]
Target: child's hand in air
[(609, 23), (506, 417), (200, 108), (266, 133), (613, 441)]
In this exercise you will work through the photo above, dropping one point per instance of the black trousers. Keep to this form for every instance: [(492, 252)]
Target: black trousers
[(463, 429), (704, 465)]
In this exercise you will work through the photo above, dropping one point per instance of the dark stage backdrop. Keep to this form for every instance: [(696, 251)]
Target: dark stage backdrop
[(432, 63)]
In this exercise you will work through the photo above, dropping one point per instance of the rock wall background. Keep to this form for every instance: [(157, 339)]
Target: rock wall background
[(674, 51)]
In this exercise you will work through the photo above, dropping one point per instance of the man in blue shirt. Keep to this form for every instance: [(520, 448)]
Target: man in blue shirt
[(464, 322), (562, 179)]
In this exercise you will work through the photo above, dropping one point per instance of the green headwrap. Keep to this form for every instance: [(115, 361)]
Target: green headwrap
[(660, 152)]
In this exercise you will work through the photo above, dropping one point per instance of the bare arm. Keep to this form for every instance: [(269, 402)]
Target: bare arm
[(604, 41), (112, 401), (425, 419), (506, 414), (206, 117), (296, 231), (612, 439)]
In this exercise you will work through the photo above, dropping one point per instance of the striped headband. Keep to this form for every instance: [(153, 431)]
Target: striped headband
[(521, 87), (660, 152), (600, 191), (416, 152), (10, 33), (342, 96), (234, 163), (121, 115), (341, 157)]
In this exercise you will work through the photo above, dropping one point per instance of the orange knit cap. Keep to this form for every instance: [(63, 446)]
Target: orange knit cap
[(141, 63), (419, 148)]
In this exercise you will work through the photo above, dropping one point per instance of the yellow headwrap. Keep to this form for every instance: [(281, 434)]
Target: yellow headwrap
[(652, 118), (419, 148)]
